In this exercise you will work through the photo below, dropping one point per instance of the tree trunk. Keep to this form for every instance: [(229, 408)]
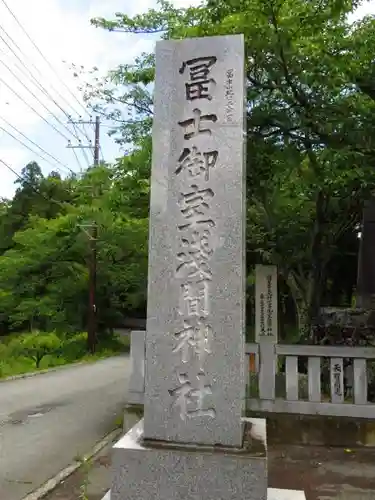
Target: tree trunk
[(298, 292), (315, 280), (306, 293), (304, 324)]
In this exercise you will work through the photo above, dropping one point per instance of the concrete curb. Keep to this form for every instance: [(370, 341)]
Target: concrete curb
[(52, 483), (41, 372)]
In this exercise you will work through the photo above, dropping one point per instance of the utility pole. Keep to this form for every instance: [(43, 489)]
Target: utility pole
[(92, 231)]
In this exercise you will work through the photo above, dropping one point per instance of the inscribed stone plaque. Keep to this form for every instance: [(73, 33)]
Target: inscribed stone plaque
[(195, 381), (337, 380), (266, 304)]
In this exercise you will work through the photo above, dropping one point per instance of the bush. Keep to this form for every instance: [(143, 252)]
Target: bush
[(35, 345), (22, 353)]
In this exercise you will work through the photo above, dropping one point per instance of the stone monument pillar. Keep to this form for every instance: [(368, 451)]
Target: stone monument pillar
[(195, 385), (194, 442)]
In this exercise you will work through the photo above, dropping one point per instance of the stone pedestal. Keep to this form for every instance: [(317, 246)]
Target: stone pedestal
[(165, 470)]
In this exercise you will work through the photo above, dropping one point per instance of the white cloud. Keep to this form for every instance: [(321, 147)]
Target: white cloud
[(368, 7)]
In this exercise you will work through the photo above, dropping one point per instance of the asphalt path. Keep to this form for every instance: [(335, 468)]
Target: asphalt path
[(49, 420)]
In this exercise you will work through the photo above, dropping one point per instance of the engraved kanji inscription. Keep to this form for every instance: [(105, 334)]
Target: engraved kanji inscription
[(194, 256), (195, 299), (193, 126), (197, 163), (262, 315), (194, 207), (199, 67), (195, 339), (269, 306), (191, 399), (200, 84), (337, 386)]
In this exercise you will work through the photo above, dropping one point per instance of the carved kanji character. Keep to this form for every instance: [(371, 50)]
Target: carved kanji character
[(190, 400), (194, 339), (200, 83), (194, 257), (194, 124), (197, 163), (194, 207), (195, 299), (199, 67)]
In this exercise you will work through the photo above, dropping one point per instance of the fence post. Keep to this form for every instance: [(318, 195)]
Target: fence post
[(137, 359)]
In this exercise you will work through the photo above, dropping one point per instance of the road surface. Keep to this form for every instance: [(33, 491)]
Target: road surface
[(48, 420)]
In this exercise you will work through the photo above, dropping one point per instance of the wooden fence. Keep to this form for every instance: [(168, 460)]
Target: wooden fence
[(312, 380)]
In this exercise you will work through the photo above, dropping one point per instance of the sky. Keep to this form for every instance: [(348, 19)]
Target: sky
[(62, 32)]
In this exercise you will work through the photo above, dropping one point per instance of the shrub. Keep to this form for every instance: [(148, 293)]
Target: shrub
[(35, 345)]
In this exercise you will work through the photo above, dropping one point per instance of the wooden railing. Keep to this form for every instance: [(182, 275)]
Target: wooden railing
[(331, 380)]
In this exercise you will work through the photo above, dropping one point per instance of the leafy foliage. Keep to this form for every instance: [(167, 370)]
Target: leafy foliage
[(35, 345), (310, 147), (44, 269), (310, 165)]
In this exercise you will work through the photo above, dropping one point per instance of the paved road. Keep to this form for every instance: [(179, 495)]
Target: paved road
[(47, 420)]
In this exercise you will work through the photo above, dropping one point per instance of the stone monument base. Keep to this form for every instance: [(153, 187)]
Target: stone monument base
[(170, 471), (272, 494)]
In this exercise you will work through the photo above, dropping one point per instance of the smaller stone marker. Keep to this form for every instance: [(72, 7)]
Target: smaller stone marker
[(266, 327), (266, 304)]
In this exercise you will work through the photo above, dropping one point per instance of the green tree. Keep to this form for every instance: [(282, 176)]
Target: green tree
[(44, 275), (36, 195), (309, 127), (35, 345)]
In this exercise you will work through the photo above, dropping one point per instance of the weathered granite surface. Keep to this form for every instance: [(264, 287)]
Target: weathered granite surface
[(195, 385), (162, 471)]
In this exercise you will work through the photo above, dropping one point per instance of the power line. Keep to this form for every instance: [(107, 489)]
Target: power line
[(79, 163), (35, 111), (33, 79), (101, 154), (37, 98), (42, 55), (29, 74), (85, 131), (27, 147), (32, 142), (80, 142), (29, 184)]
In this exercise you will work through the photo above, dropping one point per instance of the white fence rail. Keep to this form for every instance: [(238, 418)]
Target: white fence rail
[(334, 380), (312, 380)]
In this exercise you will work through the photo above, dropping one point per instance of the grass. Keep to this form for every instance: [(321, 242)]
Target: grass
[(70, 350)]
